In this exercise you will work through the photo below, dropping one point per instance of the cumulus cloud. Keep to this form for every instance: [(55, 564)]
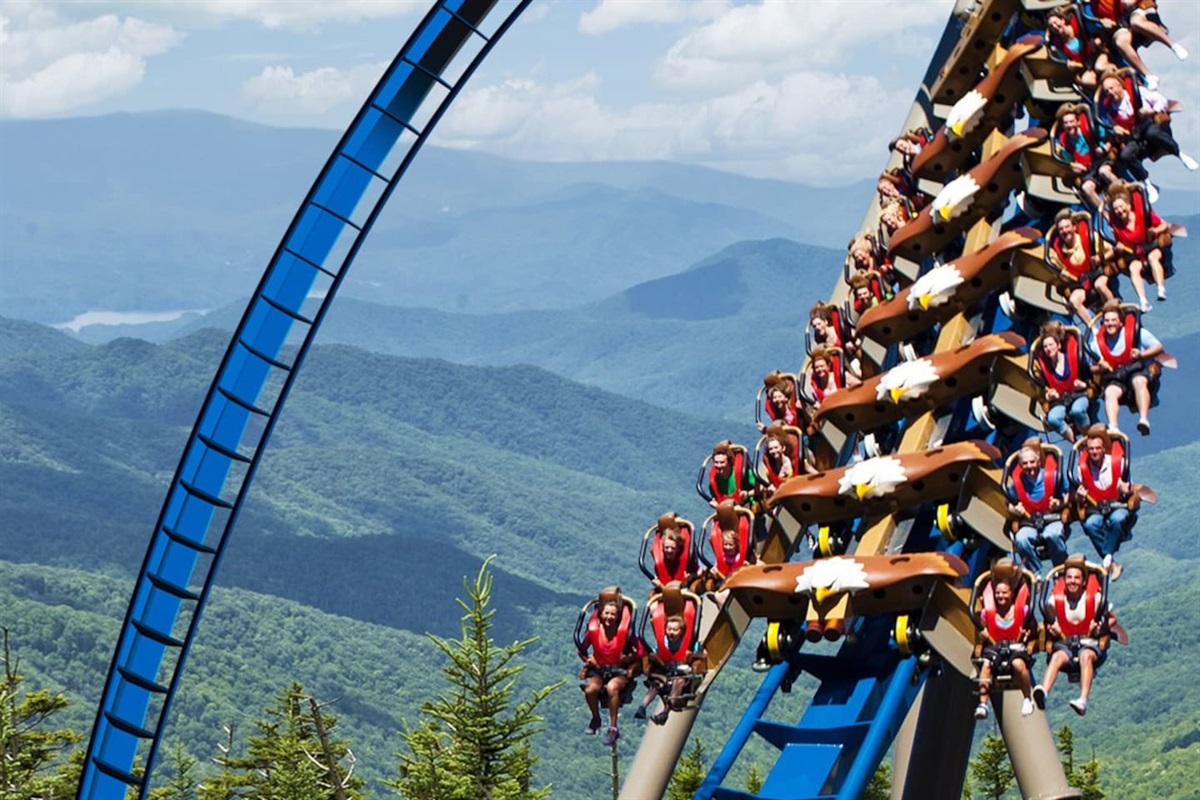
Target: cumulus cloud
[(752, 129), (610, 15), (274, 14), (776, 38), (51, 67), (280, 89)]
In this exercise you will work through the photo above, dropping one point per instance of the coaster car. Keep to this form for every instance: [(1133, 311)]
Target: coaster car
[(827, 592), (975, 115), (945, 290), (912, 388), (979, 193), (652, 560), (883, 485)]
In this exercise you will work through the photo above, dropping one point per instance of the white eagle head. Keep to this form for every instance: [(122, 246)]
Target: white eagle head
[(954, 198), (965, 115), (935, 287), (908, 380), (874, 477), (830, 576)]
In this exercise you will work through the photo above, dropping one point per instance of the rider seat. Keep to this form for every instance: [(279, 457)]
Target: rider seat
[(1117, 446), (811, 394), (588, 626), (793, 443), (1056, 486), (762, 405), (706, 481), (983, 609), (651, 560), (1095, 590), (688, 659), (712, 552)]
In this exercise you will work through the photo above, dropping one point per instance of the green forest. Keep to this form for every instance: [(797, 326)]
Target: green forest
[(388, 481)]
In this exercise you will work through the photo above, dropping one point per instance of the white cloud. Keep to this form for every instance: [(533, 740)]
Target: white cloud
[(610, 15), (296, 15), (51, 67), (752, 129), (778, 37), (280, 89)]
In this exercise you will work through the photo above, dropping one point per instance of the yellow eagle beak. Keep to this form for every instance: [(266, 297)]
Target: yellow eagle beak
[(823, 593), (957, 129), (861, 490), (896, 393), (924, 300), (944, 212)]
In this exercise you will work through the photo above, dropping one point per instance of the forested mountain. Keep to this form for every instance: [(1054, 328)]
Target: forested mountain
[(387, 480)]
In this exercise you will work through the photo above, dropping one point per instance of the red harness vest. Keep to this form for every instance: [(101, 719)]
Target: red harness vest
[(1049, 483), (609, 652), (834, 373), (664, 573), (1091, 598), (724, 566), (998, 630), (1094, 492), (1067, 143), (739, 479), (658, 620), (1065, 384), (1083, 235), (1128, 334)]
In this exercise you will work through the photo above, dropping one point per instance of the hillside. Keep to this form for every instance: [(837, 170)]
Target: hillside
[(188, 206)]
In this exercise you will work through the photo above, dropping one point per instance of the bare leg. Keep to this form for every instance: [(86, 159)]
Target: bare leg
[(1077, 301), (1151, 30), (591, 693), (615, 687), (1123, 39), (1088, 188), (1112, 404), (1135, 277), (1057, 662), (1087, 669), (1156, 270), (1141, 396), (1021, 673)]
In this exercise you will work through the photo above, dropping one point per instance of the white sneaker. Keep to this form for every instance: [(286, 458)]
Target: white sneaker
[(1079, 704), (1189, 162), (1180, 51), (1152, 82), (1151, 192), (1026, 707), (1039, 696), (1146, 307), (1162, 294), (1107, 562), (981, 711)]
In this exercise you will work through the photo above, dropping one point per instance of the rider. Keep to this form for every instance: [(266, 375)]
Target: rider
[(727, 483), (1006, 629), (671, 657), (614, 648), (1080, 269), (1123, 356), (1063, 373), (1036, 500), (1079, 629), (1102, 486), (1142, 239)]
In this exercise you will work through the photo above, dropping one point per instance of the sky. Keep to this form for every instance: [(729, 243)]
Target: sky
[(808, 92)]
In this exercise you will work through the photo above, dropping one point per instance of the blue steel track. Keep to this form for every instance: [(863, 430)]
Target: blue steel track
[(256, 374)]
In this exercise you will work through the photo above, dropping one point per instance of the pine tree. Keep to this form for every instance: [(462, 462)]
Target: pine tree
[(880, 787), (293, 756), (182, 783), (31, 756), (990, 768), (1085, 778), (474, 740), (689, 774), (754, 778)]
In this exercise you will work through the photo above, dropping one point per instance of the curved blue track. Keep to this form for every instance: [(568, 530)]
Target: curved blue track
[(256, 374)]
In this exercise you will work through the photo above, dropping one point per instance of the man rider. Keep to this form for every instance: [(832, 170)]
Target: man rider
[(1079, 631), (1101, 487), (1034, 502)]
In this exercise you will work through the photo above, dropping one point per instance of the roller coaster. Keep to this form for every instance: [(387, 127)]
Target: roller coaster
[(895, 481)]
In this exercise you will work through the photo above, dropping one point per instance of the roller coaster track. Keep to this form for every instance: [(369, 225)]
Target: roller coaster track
[(871, 694)]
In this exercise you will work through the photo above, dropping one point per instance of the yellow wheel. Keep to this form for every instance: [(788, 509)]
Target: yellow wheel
[(773, 635), (943, 522), (824, 545), (902, 643)]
